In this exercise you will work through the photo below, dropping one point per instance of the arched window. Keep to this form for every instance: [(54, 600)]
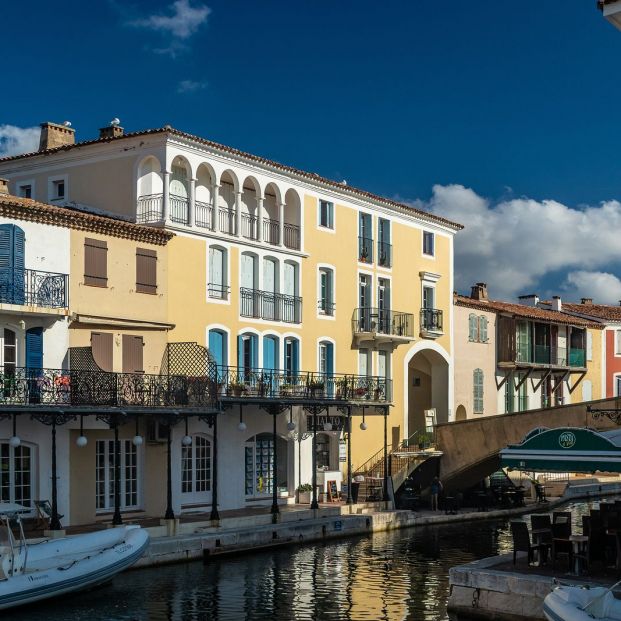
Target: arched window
[(247, 354), (16, 474), (196, 469), (472, 327), (218, 347), (478, 391), (483, 329), (218, 278)]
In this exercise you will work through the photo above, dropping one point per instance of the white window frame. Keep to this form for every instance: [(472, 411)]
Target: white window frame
[(193, 496), (226, 277), (617, 339), (22, 184), (52, 184), (320, 313), (321, 227), (33, 472), (320, 341)]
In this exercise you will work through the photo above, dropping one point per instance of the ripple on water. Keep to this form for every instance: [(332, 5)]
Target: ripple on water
[(400, 575)]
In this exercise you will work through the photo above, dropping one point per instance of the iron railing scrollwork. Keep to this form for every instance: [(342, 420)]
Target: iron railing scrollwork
[(270, 306), (33, 288), (249, 226), (149, 208), (431, 319), (227, 221)]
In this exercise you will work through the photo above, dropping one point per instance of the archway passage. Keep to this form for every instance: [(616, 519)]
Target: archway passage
[(428, 389)]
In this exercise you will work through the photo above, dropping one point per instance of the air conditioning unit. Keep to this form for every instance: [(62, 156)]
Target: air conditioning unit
[(157, 433)]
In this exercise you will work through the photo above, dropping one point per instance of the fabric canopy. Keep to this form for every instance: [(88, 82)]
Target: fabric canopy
[(565, 449)]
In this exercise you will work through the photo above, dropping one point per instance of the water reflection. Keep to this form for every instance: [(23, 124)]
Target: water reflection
[(401, 575)]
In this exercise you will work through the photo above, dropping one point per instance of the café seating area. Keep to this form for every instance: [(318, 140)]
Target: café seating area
[(551, 540)]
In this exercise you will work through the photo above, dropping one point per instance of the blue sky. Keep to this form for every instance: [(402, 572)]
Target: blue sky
[(439, 103)]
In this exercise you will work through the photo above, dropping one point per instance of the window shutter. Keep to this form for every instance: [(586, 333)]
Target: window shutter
[(95, 262), (101, 347), (329, 359), (478, 390), (483, 329), (216, 346), (295, 364), (34, 348), (146, 271), (240, 352), (133, 354)]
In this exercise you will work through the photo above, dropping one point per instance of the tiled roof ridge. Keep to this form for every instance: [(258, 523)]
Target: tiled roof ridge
[(256, 158), (34, 211), (523, 310)]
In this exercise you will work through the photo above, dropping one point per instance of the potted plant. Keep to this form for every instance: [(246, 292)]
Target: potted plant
[(424, 440), (285, 390), (237, 389), (341, 389), (304, 493), (360, 392), (315, 386)]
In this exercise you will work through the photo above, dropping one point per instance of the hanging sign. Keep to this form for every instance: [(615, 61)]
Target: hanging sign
[(337, 423), (342, 451)]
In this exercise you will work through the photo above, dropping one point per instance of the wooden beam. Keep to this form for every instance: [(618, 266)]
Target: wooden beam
[(502, 383), (572, 388), (559, 384), (543, 379), (526, 375)]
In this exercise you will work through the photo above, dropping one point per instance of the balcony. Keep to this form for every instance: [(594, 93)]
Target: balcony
[(384, 254), (381, 325), (249, 228), (34, 288), (246, 384), (431, 322), (20, 386), (550, 357), (227, 221), (365, 249), (203, 215), (292, 236), (271, 231), (270, 306), (577, 358), (150, 208), (178, 209)]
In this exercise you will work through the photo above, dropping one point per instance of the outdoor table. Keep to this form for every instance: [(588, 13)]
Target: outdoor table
[(579, 548), (538, 539)]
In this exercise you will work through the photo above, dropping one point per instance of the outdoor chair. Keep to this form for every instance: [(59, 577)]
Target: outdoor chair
[(561, 545), (44, 513), (540, 492), (522, 543), (562, 517)]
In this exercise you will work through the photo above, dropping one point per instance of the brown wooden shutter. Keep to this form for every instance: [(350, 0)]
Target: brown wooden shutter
[(132, 354), (146, 271), (101, 346), (95, 262)]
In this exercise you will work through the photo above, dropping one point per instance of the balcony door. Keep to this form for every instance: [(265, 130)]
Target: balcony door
[(196, 471), (249, 301), (12, 259), (383, 305), (269, 287), (290, 309), (365, 302)]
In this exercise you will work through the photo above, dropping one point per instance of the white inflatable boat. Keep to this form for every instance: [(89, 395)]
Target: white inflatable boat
[(576, 603), (32, 572)]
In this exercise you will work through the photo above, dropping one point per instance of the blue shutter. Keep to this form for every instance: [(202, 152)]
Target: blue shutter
[(216, 346), (34, 348), (295, 355), (12, 260), (329, 359), (270, 353), (240, 353), (254, 351)]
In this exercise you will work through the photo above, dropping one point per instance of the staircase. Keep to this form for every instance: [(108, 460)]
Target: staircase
[(401, 462)]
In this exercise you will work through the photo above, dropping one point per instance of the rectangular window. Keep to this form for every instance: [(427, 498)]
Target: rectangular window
[(217, 286), (364, 362), (58, 189), (132, 354), (326, 288), (25, 191), (478, 391), (326, 214), (428, 243), (365, 238), (104, 475), (384, 247), (146, 271), (618, 342), (95, 262)]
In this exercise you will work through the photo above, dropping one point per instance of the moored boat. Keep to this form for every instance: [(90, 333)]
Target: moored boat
[(32, 572), (578, 603)]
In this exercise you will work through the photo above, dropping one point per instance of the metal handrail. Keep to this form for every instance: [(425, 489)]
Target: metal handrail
[(431, 319), (382, 321), (269, 305), (33, 288)]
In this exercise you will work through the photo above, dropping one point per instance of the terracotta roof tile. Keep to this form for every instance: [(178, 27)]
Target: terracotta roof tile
[(34, 211), (528, 312), (346, 189), (606, 312)]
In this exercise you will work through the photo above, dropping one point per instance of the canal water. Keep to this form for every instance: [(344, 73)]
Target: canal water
[(400, 575)]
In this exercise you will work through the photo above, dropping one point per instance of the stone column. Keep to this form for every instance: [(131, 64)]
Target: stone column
[(259, 218), (166, 198), (192, 203), (238, 196), (281, 224), (215, 195)]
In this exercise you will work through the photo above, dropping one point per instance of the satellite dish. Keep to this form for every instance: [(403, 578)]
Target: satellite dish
[(115, 122), (67, 123)]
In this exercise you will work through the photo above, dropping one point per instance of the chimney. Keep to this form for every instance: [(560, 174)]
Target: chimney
[(586, 301), (114, 130), (532, 299), (4, 186), (556, 303), (54, 135), (479, 292)]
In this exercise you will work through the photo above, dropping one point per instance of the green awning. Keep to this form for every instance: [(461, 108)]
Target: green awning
[(566, 449)]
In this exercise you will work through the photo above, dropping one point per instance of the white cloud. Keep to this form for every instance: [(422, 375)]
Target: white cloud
[(183, 22), (513, 244), (603, 287), (16, 140), (190, 86)]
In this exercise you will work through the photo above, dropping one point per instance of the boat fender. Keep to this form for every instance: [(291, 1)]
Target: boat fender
[(476, 594)]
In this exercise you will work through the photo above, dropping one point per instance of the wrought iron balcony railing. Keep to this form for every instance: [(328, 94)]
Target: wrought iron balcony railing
[(249, 228), (431, 319), (383, 321), (28, 386), (239, 382), (270, 231), (326, 307), (365, 249), (227, 221), (217, 291), (384, 254), (292, 236), (149, 208), (178, 209), (270, 306), (203, 215), (33, 288)]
